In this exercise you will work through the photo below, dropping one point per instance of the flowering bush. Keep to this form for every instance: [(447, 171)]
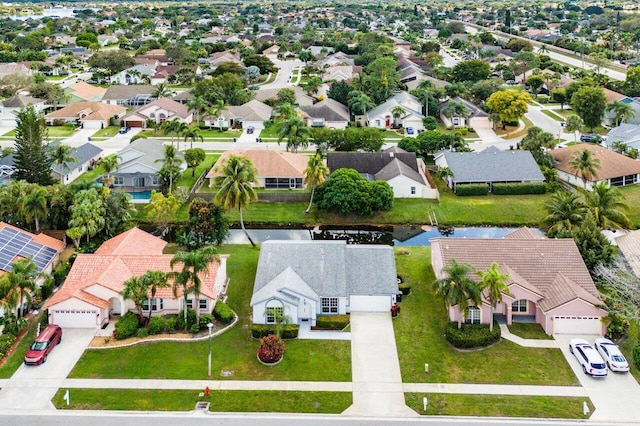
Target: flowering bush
[(395, 310), (271, 349)]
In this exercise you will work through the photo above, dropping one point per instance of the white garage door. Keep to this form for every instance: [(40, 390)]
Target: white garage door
[(75, 319), (577, 325), (369, 303)]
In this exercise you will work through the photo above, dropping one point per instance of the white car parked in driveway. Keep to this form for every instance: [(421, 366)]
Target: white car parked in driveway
[(612, 355), (591, 361)]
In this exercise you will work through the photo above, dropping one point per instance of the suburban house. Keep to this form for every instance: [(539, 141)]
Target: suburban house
[(302, 99), (133, 95), (90, 296), (304, 279), (337, 73), (158, 111), (91, 115), (381, 117), (402, 170), (548, 281), (17, 102), (82, 91), (86, 156), (140, 163), (615, 169), (610, 116), (276, 169), (629, 247), (489, 166), (628, 134), (137, 74), (473, 117), (251, 114), (327, 113)]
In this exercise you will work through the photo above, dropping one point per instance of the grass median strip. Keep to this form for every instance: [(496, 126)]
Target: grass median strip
[(221, 401), (558, 407)]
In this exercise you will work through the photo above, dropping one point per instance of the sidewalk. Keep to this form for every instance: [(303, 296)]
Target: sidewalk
[(527, 343)]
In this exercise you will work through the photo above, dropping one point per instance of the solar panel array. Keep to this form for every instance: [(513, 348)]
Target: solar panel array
[(14, 243)]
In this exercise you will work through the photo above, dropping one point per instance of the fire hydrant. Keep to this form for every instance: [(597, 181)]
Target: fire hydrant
[(206, 391)]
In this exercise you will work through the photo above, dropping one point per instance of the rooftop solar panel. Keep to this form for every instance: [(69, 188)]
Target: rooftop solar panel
[(14, 243)]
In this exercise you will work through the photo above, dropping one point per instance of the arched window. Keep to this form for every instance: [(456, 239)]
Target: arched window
[(473, 315), (273, 310), (519, 306)]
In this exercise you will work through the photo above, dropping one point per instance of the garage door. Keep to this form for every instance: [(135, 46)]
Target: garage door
[(75, 319), (369, 303), (577, 325), (133, 123)]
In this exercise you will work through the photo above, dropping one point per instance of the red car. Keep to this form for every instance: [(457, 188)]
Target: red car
[(48, 338)]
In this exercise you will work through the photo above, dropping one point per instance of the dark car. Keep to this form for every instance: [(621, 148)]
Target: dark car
[(250, 130), (48, 338), (590, 138)]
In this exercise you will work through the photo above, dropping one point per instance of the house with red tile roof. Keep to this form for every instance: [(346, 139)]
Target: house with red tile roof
[(548, 281), (92, 115), (159, 111), (90, 296)]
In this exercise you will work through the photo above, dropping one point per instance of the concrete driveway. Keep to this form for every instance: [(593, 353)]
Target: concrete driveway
[(615, 396), (33, 387)]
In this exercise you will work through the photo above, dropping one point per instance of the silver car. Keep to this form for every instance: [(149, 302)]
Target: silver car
[(612, 355), (590, 360)]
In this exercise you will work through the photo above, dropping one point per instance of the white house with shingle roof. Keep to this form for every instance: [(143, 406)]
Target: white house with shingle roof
[(304, 279), (548, 280), (381, 117), (250, 114), (327, 113)]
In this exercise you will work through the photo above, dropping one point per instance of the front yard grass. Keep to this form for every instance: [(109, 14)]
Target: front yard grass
[(17, 357), (234, 352), (187, 180), (221, 401), (632, 199), (557, 407), (529, 331), (419, 331), (217, 134), (107, 132)]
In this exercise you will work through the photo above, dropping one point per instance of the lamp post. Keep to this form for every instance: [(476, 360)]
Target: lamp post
[(209, 326)]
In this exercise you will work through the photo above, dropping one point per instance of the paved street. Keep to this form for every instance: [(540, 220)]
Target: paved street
[(285, 69)]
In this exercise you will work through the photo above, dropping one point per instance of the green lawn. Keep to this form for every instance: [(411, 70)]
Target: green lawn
[(91, 175), (188, 180), (529, 331), (221, 401), (627, 344), (552, 115), (107, 132), (269, 132), (233, 351), (215, 134), (52, 131), (17, 357), (632, 198), (556, 407), (420, 339)]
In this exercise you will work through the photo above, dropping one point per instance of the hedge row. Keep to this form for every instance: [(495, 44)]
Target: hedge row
[(519, 188), (222, 312), (636, 355), (289, 331), (472, 189), (332, 322), (471, 335)]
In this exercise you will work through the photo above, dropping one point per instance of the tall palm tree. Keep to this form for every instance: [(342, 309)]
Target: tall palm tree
[(110, 163), (573, 124), (565, 211), (215, 111), (315, 173), (35, 205), (9, 296), (607, 205), (180, 129), (623, 111), (585, 165), (192, 134), (161, 90), (62, 156), (397, 112), (170, 160), (236, 190), (295, 131), (22, 277), (168, 128), (199, 105), (194, 263), (286, 111), (153, 280), (360, 104), (494, 284), (457, 288)]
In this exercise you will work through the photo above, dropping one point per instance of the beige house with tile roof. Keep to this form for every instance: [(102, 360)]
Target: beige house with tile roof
[(82, 91), (92, 115), (90, 296), (276, 169), (160, 110), (615, 169), (549, 283)]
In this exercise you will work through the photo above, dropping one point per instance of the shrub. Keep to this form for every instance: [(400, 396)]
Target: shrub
[(289, 331), (13, 325), (519, 188), (127, 325), (405, 288), (204, 320), (429, 123), (6, 340), (222, 312), (47, 288), (61, 272), (636, 355), (617, 325), (271, 349), (170, 323), (472, 189), (332, 322), (156, 325), (191, 319), (471, 335), (142, 332)]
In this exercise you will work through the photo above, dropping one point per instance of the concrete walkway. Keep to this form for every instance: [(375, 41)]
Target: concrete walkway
[(377, 383), (305, 333), (527, 343)]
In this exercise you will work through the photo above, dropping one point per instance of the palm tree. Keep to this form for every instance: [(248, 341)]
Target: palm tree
[(180, 129), (585, 165), (161, 90), (236, 190), (360, 104), (168, 128), (22, 277), (35, 205), (62, 156), (215, 110), (193, 263), (397, 112), (192, 134), (622, 111), (295, 131), (445, 173), (199, 105), (573, 124), (110, 163), (494, 284), (457, 288), (565, 211), (315, 173), (607, 205), (9, 296), (134, 289), (170, 161), (286, 111), (153, 280)]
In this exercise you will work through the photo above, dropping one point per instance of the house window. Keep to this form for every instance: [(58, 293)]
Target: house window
[(377, 123), (156, 304), (473, 315), (519, 306), (138, 181), (118, 180), (155, 180), (202, 304), (273, 313), (80, 169), (189, 304), (329, 305), (413, 190)]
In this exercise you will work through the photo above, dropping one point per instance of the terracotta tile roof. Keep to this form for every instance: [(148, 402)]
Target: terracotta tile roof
[(563, 290), (612, 164), (86, 91), (91, 299), (93, 110), (268, 163), (525, 232), (133, 241)]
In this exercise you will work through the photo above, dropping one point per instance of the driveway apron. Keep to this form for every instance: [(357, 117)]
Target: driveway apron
[(33, 387), (377, 384), (615, 397)]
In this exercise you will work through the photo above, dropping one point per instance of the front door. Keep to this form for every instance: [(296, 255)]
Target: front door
[(305, 311)]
